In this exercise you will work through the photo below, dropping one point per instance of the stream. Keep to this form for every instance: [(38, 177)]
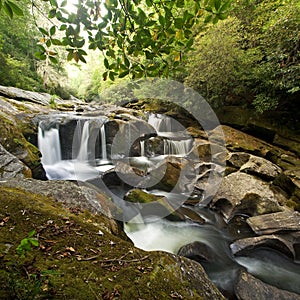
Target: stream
[(89, 157)]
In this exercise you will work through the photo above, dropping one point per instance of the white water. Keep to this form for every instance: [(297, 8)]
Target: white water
[(49, 145), (78, 168), (172, 147), (83, 154), (103, 143)]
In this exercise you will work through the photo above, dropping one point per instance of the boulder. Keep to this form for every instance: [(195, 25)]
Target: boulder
[(237, 159), (283, 243), (248, 287), (82, 255), (12, 167), (197, 251), (243, 193), (260, 167), (275, 222)]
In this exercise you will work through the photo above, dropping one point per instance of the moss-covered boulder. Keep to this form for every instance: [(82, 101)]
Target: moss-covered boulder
[(80, 256)]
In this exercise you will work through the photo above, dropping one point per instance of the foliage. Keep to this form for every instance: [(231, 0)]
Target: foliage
[(27, 243), (137, 38), (253, 57)]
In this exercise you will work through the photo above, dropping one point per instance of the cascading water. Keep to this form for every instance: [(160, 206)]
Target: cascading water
[(83, 154), (49, 145), (78, 165), (103, 143), (172, 147), (162, 234)]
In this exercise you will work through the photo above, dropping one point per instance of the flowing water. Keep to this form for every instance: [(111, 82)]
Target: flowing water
[(161, 234)]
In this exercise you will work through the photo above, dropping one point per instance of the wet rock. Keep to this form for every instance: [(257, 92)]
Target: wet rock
[(85, 248), (197, 251), (248, 287), (15, 143), (66, 192), (282, 243), (275, 222), (237, 159), (260, 167), (243, 193), (11, 167)]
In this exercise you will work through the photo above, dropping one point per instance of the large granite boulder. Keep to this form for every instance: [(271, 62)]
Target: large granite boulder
[(82, 255), (248, 287), (243, 193)]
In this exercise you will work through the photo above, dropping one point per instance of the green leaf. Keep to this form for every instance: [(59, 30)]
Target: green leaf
[(56, 42), (52, 30), (31, 233), (70, 55), (161, 20), (149, 3), (64, 3), (15, 8), (178, 23), (53, 60), (81, 58), (111, 76), (53, 3), (52, 13), (48, 43), (123, 74), (180, 3), (225, 6), (43, 31), (106, 63), (8, 10), (34, 242), (217, 4)]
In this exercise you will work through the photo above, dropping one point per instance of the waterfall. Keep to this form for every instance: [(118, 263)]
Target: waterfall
[(49, 145), (142, 144), (83, 154), (172, 147), (161, 123), (103, 143)]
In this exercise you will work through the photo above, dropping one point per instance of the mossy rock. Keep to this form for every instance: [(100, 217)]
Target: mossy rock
[(14, 142), (79, 258)]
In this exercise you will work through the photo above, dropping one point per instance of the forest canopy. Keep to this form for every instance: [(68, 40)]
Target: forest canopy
[(240, 52)]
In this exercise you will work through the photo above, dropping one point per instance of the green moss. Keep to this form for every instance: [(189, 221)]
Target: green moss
[(294, 203), (78, 257), (139, 196)]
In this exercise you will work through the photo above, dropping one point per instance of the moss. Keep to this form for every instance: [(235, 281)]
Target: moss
[(13, 141), (139, 196), (78, 258), (294, 203)]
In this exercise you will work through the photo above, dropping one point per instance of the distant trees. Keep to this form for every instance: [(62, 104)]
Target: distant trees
[(253, 57)]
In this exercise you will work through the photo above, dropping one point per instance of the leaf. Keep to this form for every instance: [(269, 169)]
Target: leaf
[(123, 74), (225, 6), (52, 30), (217, 4), (111, 76), (56, 42), (161, 20), (52, 13), (53, 3), (53, 60), (34, 242), (106, 63), (8, 10), (31, 233), (43, 31), (70, 55), (149, 3), (81, 58), (15, 8), (64, 3)]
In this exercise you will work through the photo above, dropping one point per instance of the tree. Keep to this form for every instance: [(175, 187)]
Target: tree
[(251, 58), (137, 37)]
